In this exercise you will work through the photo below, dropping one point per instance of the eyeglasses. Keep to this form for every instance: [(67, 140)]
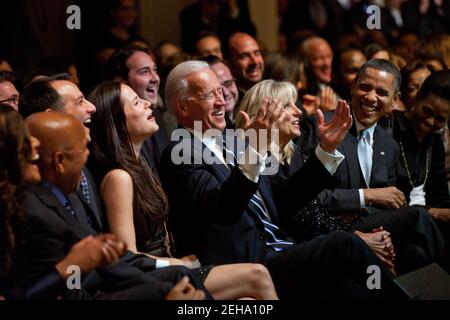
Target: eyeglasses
[(217, 93), (14, 99), (228, 83)]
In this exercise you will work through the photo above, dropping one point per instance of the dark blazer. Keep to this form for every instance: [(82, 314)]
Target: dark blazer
[(436, 187), (91, 211), (209, 204), (51, 233), (348, 177)]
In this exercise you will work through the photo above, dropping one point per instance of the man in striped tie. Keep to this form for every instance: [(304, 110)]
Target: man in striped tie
[(222, 207)]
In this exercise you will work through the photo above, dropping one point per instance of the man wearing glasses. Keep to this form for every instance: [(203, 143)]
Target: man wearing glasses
[(229, 88), (8, 92)]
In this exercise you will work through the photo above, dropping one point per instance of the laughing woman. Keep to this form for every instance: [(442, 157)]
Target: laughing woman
[(135, 203), (312, 220), (421, 167)]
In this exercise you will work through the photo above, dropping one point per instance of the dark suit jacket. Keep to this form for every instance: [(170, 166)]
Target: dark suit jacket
[(436, 187), (349, 178), (51, 233), (90, 211), (209, 204)]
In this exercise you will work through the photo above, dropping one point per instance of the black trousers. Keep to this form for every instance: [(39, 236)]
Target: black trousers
[(332, 266), (153, 285)]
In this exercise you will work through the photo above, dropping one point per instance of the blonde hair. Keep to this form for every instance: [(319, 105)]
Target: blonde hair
[(283, 91)]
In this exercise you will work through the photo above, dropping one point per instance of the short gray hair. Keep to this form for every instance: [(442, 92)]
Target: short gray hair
[(176, 83)]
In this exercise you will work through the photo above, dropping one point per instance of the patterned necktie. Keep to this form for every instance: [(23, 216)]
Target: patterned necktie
[(274, 238), (365, 153), (69, 208), (84, 188)]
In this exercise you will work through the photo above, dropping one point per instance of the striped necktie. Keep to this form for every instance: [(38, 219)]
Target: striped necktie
[(274, 238)]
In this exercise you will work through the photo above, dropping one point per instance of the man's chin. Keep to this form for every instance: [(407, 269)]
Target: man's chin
[(220, 125), (88, 134), (325, 78), (153, 99)]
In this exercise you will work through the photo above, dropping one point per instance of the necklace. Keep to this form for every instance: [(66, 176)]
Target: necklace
[(407, 168)]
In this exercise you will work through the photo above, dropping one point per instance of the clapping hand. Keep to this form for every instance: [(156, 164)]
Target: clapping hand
[(333, 132), (269, 117)]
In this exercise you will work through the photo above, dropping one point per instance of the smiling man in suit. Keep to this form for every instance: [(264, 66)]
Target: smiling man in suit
[(54, 224), (364, 184), (57, 93), (226, 212)]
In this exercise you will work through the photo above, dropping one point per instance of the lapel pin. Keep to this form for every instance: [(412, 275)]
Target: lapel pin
[(381, 153)]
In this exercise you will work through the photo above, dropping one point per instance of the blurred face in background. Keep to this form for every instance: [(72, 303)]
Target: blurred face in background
[(351, 62), (246, 59), (414, 82), (9, 94), (229, 88), (126, 13), (209, 45), (320, 57)]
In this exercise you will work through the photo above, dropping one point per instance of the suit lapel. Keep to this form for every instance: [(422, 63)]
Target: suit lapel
[(199, 151), (49, 200), (92, 205), (265, 190), (350, 150), (379, 167)]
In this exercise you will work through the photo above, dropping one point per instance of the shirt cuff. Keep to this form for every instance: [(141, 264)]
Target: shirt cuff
[(362, 202), (162, 263), (330, 161), (252, 164)]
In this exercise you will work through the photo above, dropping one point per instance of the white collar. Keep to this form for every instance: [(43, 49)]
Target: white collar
[(360, 128)]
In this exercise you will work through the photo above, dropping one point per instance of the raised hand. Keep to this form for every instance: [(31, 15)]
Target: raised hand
[(333, 132), (328, 99), (269, 117)]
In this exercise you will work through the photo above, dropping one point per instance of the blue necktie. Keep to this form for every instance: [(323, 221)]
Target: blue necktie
[(365, 153), (274, 239)]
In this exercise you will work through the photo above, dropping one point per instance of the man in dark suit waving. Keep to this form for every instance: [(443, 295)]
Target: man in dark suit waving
[(223, 209)]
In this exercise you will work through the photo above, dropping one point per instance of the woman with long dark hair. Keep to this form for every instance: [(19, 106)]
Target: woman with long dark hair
[(135, 203), (15, 149)]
